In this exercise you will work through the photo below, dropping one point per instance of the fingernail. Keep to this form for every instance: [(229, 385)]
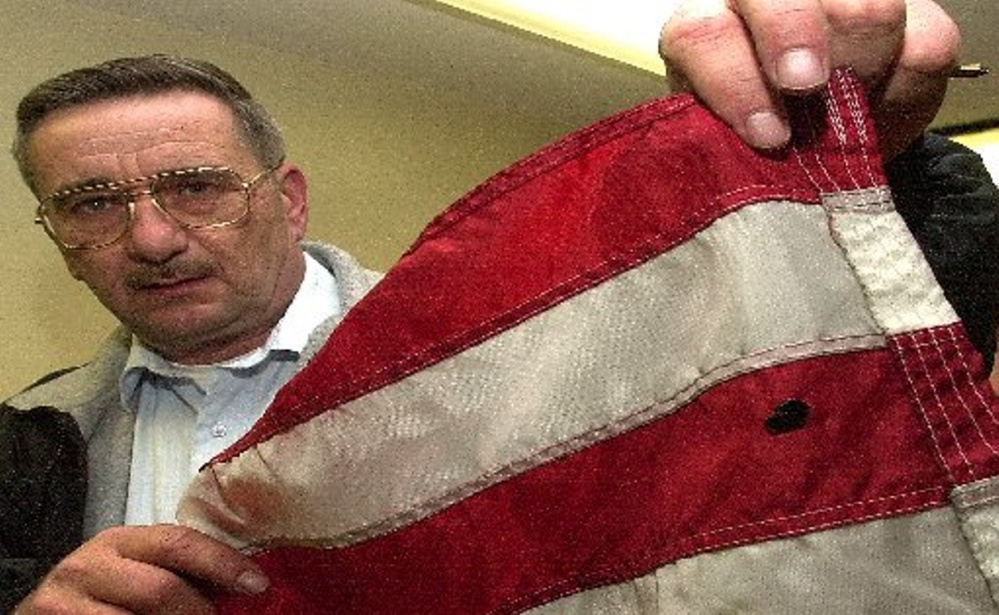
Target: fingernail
[(765, 130), (800, 69), (252, 583)]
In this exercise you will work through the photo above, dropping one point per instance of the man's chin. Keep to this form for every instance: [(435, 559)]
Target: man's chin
[(181, 333)]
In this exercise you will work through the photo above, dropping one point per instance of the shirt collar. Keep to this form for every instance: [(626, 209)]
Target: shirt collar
[(315, 301)]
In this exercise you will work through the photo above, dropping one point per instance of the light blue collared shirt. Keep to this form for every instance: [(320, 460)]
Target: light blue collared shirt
[(187, 414)]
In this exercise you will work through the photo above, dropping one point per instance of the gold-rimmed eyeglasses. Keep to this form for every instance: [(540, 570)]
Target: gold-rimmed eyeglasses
[(97, 215)]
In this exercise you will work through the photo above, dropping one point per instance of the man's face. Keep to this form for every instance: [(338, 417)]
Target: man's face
[(196, 296)]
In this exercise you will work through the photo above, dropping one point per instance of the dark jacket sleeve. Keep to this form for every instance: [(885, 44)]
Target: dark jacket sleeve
[(43, 484), (944, 192)]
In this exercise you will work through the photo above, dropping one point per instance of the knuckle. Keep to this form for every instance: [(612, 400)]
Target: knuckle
[(112, 536), (173, 541), (866, 15), (686, 31), (116, 530), (937, 51), (44, 602), (164, 592), (789, 21), (71, 570), (161, 589)]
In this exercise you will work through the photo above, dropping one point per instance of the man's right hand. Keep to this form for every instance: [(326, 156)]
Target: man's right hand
[(144, 569), (742, 56)]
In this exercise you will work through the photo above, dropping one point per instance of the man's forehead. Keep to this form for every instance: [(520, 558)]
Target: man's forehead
[(146, 115), (172, 129), (125, 141)]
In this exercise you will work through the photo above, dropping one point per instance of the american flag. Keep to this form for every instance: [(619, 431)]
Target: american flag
[(644, 370)]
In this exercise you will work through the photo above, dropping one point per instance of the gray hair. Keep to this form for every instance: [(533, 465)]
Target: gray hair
[(124, 77)]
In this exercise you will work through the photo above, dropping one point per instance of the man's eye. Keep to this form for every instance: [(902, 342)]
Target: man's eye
[(197, 187), (194, 188), (91, 205)]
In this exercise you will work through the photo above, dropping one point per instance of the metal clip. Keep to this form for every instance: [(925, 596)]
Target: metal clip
[(969, 71)]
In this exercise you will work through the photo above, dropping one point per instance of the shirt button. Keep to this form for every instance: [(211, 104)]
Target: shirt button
[(218, 430)]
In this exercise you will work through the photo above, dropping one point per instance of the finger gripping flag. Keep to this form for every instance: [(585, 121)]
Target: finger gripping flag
[(645, 370)]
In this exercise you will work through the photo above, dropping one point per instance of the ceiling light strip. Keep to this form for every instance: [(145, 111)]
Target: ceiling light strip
[(623, 30)]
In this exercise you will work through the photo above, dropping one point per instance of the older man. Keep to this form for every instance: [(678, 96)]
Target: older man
[(165, 187)]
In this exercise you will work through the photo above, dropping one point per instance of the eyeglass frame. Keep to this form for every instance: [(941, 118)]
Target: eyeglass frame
[(244, 185)]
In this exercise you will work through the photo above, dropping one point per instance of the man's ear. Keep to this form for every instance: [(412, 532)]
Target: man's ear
[(295, 198)]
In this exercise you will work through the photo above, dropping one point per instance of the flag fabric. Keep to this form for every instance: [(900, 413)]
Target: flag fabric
[(645, 370)]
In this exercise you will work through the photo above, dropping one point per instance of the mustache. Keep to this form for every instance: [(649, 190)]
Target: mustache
[(168, 273)]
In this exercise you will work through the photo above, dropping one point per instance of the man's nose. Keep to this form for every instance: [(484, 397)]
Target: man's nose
[(153, 236)]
